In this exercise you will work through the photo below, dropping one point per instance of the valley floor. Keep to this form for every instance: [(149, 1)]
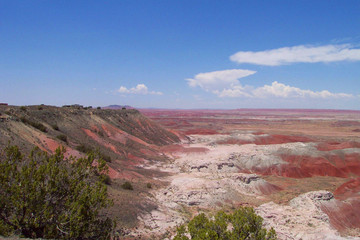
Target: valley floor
[(306, 186)]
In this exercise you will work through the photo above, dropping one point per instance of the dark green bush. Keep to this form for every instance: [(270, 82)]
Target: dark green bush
[(148, 185), (62, 137), (105, 157), (84, 148), (98, 108), (55, 127), (44, 196), (105, 179), (127, 185), (23, 108), (37, 125), (88, 149), (243, 224)]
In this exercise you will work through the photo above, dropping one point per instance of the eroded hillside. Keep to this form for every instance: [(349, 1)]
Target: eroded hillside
[(300, 170), (125, 138)]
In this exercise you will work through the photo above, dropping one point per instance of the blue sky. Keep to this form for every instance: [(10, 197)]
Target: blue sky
[(181, 54)]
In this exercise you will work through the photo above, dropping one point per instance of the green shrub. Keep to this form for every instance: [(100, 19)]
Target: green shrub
[(44, 196), (105, 157), (105, 179), (23, 108), (37, 125), (148, 185), (243, 224), (98, 108), (127, 185), (88, 149), (62, 137), (55, 127), (40, 108), (84, 148)]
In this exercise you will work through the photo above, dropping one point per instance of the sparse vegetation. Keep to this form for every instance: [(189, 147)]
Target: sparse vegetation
[(55, 127), (105, 157), (100, 133), (37, 125), (88, 149), (62, 137), (84, 148), (127, 185), (44, 196), (105, 179), (243, 224), (23, 108)]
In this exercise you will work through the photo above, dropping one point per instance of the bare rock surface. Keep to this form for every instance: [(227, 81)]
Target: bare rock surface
[(213, 179), (302, 218)]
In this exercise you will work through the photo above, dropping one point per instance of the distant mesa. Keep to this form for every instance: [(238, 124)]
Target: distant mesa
[(118, 107)]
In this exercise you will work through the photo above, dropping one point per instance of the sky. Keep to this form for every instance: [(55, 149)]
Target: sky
[(188, 54)]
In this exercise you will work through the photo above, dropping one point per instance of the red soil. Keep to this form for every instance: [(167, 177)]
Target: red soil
[(101, 141), (268, 188), (306, 166), (201, 131), (346, 124), (123, 174), (148, 152), (348, 189), (120, 136), (258, 133), (50, 145), (343, 215), (180, 135), (329, 146)]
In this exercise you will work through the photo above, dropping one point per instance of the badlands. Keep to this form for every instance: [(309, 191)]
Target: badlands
[(299, 169)]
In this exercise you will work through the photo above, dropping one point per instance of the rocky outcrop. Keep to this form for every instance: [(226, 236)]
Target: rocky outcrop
[(303, 218)]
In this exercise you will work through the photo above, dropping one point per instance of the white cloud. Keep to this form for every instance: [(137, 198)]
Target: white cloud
[(139, 89), (226, 84), (235, 91), (212, 81), (299, 54), (277, 89)]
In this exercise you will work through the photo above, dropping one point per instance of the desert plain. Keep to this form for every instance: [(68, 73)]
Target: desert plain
[(298, 168)]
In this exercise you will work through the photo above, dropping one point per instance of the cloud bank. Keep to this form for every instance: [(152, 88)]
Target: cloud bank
[(139, 89), (298, 54), (211, 81), (226, 84)]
